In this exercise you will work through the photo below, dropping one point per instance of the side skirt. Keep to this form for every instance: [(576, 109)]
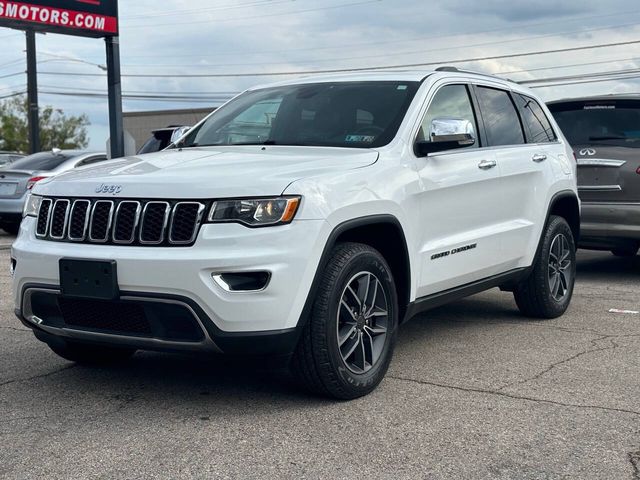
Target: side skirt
[(505, 280)]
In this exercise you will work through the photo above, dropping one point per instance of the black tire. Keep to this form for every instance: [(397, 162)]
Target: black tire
[(10, 228), (625, 252), (318, 362), (535, 296), (92, 354)]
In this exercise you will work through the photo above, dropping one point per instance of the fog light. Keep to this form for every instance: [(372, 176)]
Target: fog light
[(242, 281)]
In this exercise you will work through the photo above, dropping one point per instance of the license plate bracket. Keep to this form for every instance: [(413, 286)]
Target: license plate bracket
[(96, 279)]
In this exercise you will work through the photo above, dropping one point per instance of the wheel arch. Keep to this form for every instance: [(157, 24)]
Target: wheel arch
[(565, 204), (385, 234)]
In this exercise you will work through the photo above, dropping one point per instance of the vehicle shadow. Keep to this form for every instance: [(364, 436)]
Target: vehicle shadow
[(603, 266)]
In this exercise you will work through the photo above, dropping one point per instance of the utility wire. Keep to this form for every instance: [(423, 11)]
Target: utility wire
[(359, 69), (395, 54), (200, 11), (225, 20), (516, 27)]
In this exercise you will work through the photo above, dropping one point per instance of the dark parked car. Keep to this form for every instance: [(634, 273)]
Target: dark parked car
[(605, 135), (162, 138)]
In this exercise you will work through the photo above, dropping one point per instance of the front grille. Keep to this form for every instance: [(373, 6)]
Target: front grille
[(120, 222)]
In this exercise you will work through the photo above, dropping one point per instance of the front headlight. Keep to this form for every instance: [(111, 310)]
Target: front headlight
[(32, 206), (255, 212)]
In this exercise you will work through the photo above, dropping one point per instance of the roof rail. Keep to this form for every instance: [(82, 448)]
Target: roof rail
[(448, 68)]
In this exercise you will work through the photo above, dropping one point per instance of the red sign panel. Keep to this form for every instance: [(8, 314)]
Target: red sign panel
[(96, 18)]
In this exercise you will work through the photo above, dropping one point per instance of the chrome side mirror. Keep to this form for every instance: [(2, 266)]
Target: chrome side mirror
[(452, 129), (447, 134)]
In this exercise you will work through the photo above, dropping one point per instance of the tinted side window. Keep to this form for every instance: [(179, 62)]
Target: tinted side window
[(540, 129), (451, 101), (500, 117)]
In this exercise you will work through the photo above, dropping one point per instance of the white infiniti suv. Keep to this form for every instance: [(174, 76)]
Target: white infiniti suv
[(308, 218)]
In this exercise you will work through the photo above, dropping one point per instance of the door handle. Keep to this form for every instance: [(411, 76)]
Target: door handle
[(486, 164), (539, 157)]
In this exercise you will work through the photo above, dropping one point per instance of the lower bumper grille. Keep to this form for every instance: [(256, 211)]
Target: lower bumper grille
[(132, 318), (114, 317)]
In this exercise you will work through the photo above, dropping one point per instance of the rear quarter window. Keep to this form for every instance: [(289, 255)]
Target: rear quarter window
[(539, 129)]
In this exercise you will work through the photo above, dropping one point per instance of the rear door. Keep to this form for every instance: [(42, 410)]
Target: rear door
[(523, 171), (605, 135)]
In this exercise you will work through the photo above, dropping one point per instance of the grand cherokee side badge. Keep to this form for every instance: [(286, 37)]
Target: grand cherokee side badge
[(112, 189)]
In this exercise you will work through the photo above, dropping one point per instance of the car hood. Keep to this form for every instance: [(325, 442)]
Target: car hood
[(200, 173)]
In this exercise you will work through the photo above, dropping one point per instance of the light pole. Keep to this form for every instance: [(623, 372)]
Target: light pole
[(32, 93)]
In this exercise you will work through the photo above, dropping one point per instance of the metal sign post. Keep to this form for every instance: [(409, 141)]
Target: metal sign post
[(32, 94), (85, 18), (115, 97)]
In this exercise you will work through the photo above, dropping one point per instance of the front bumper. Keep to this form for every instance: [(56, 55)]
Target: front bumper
[(604, 224), (230, 321)]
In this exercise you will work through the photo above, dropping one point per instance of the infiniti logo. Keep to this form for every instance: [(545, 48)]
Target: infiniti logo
[(112, 189), (590, 152)]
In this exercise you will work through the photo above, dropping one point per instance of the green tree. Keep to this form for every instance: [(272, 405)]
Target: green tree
[(57, 130)]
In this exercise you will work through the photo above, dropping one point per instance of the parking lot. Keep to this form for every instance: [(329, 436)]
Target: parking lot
[(474, 391)]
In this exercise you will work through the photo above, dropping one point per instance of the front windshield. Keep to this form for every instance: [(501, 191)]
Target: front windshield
[(610, 123), (345, 114)]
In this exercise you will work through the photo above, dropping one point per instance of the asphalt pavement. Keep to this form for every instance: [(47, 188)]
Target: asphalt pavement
[(474, 391)]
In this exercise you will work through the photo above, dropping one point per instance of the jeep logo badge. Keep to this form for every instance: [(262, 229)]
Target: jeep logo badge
[(589, 152), (112, 189)]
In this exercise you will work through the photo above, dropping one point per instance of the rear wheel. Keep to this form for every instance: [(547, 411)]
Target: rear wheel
[(348, 343), (92, 354), (547, 292)]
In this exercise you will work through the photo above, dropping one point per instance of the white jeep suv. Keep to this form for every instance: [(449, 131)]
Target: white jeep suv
[(307, 218)]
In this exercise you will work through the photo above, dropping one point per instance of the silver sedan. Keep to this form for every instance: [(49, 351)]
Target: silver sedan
[(17, 179)]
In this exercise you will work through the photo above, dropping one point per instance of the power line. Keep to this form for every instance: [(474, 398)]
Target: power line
[(578, 82), (174, 13), (387, 42), (360, 69), (581, 76), (226, 20), (396, 54), (567, 66), (12, 75)]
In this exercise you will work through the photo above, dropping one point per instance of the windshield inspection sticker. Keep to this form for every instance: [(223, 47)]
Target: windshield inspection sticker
[(360, 138)]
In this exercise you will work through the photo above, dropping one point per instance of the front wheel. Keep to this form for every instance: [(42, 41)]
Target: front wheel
[(348, 342), (547, 292)]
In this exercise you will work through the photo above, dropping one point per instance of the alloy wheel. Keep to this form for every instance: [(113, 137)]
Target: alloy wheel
[(560, 272), (363, 320)]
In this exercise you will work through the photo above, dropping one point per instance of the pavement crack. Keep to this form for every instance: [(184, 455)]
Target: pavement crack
[(34, 377), (594, 348), (514, 396)]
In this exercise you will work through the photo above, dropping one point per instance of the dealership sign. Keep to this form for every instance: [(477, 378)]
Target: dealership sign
[(91, 18)]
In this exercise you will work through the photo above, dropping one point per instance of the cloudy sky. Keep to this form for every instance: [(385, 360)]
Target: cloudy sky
[(231, 38)]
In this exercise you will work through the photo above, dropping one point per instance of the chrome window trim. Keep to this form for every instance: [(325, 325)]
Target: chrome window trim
[(65, 222), (196, 226), (87, 215), (600, 162), (136, 220), (46, 226), (167, 213), (109, 221), (600, 188)]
